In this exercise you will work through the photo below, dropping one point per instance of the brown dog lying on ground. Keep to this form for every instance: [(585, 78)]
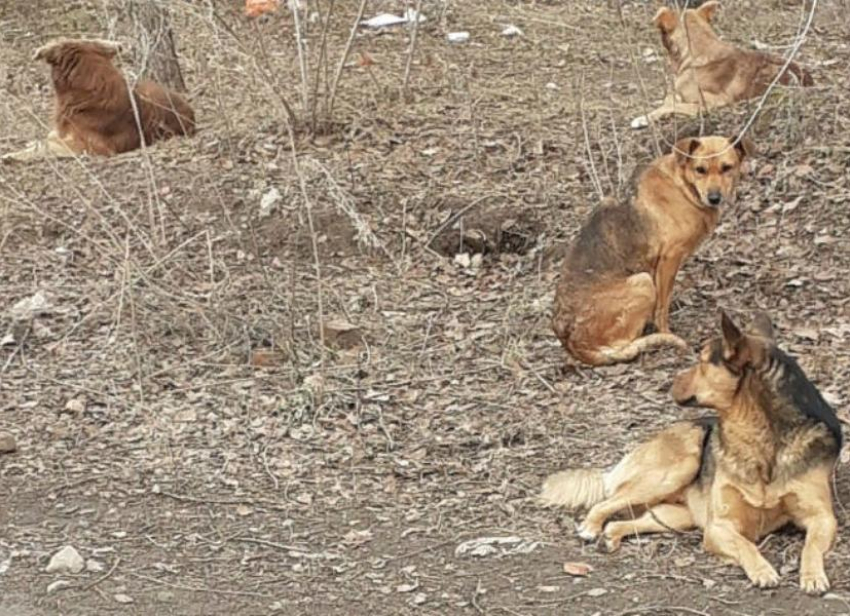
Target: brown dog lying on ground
[(764, 461), (618, 275), (95, 113), (709, 72)]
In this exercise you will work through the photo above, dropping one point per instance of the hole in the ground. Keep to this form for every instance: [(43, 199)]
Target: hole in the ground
[(493, 232)]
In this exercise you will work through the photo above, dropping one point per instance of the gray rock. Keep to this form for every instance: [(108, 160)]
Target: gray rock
[(7, 443), (66, 560)]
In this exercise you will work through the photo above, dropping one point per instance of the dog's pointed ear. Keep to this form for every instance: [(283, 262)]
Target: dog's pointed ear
[(684, 148), (105, 47), (665, 19), (745, 148), (708, 10), (733, 337), (762, 326)]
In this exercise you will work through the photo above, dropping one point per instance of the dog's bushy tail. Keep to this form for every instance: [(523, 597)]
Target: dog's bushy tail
[(635, 348), (574, 489)]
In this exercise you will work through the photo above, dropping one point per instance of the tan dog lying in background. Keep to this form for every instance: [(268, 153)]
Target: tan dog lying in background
[(618, 275), (709, 72), (95, 113)]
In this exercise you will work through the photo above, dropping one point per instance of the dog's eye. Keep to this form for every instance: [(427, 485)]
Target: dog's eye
[(701, 170), (725, 168)]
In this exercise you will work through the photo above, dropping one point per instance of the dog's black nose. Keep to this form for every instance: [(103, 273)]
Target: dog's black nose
[(714, 198)]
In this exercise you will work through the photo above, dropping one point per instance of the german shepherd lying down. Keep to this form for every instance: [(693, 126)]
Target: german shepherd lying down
[(707, 71), (618, 275), (94, 111), (764, 461)]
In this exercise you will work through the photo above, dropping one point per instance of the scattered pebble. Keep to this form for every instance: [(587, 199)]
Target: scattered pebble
[(597, 592), (268, 202), (66, 560), (57, 585), (76, 406), (495, 546), (94, 566), (511, 30), (7, 443), (165, 596), (458, 37), (122, 598), (548, 589), (30, 307)]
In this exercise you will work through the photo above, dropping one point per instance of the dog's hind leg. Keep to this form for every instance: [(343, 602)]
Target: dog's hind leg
[(608, 331), (654, 472), (612, 320), (667, 108), (659, 519)]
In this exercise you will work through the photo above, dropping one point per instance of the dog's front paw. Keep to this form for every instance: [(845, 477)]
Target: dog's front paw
[(586, 533), (814, 583), (765, 576), (640, 122), (612, 544)]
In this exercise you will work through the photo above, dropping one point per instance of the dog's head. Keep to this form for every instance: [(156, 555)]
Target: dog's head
[(723, 361), (53, 53), (711, 166), (678, 30)]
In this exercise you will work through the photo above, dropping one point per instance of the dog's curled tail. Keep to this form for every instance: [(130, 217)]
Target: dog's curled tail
[(573, 489), (635, 348)]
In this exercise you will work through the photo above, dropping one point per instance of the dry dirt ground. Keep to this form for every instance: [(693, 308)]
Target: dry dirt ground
[(177, 417)]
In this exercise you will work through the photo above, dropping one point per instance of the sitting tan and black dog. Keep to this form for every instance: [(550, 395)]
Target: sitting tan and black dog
[(764, 461), (96, 112), (709, 72), (617, 277)]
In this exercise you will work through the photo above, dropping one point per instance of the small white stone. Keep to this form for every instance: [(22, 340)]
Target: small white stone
[(76, 406), (640, 122), (94, 566), (122, 598), (463, 259), (66, 560), (57, 585)]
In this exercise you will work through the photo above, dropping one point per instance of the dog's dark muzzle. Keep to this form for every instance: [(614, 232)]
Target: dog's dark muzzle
[(714, 198)]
